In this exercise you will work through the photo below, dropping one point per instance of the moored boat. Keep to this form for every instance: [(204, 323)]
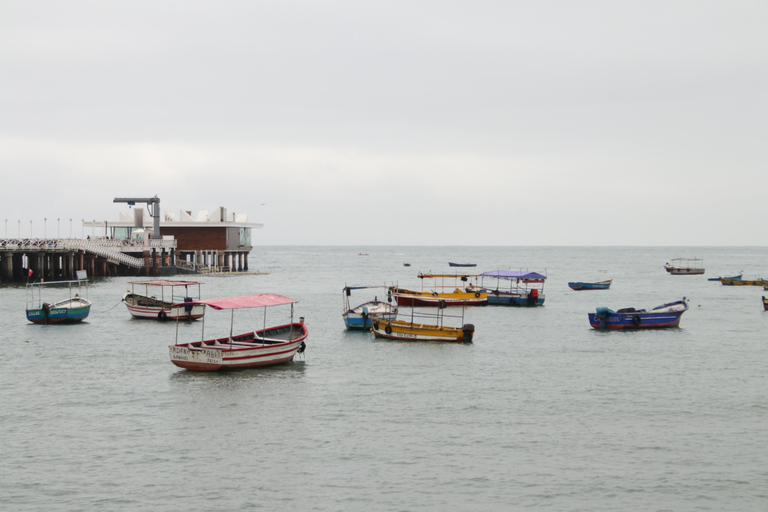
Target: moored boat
[(411, 330), (73, 309), (513, 287), (600, 285), (666, 315), (738, 276), (265, 347), (765, 303), (457, 291), (360, 317), (168, 306), (452, 264), (685, 266), (729, 281)]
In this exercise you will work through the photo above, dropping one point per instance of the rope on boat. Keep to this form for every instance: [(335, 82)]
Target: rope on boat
[(113, 307)]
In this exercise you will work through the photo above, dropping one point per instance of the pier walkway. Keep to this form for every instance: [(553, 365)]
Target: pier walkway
[(54, 258)]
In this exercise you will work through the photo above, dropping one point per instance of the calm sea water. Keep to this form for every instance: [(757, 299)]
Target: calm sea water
[(540, 412)]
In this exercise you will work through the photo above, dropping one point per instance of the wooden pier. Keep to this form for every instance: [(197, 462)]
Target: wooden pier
[(61, 258)]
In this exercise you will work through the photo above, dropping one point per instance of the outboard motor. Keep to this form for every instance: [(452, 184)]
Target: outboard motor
[(469, 331)]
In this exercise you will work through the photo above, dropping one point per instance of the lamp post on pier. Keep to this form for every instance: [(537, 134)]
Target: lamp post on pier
[(58, 227), (45, 227)]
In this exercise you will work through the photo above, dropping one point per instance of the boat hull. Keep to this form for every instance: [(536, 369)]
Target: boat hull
[(267, 347), (413, 299), (765, 304), (355, 319), (141, 306), (742, 282), (60, 315), (408, 331), (685, 271), (499, 298), (602, 285)]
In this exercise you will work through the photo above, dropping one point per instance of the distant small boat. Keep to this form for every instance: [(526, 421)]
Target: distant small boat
[(600, 285), (406, 264), (451, 264), (765, 303), (685, 266), (731, 277), (666, 315)]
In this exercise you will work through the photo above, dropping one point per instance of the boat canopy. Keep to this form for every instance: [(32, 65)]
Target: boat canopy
[(165, 282), (513, 274), (246, 301)]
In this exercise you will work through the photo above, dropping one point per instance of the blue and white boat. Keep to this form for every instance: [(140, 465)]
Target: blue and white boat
[(513, 287), (666, 315), (360, 317), (73, 309)]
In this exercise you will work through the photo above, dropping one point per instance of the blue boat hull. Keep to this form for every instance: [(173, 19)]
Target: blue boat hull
[(58, 315), (589, 286), (357, 322), (514, 300)]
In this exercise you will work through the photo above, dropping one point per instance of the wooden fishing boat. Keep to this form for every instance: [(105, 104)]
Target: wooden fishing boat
[(685, 266), (513, 287), (600, 285), (666, 315), (443, 290), (75, 308), (728, 281), (164, 307), (360, 317), (265, 347), (765, 303), (435, 330)]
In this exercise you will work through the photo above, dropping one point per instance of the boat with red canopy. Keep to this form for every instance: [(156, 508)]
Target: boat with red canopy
[(264, 347)]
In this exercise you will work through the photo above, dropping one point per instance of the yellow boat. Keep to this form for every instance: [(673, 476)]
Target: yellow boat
[(743, 282), (413, 331), (459, 292)]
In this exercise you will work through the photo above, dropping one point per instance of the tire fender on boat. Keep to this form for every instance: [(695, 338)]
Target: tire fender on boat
[(636, 320), (388, 329), (477, 295), (162, 316)]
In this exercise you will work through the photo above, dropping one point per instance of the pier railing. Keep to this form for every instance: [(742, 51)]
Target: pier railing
[(105, 251), (111, 249)]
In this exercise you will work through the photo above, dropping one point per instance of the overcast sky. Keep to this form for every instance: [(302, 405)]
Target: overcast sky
[(393, 123)]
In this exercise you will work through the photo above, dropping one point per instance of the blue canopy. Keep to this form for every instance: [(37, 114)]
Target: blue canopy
[(513, 274)]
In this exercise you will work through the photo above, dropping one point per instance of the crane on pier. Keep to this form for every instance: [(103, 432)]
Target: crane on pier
[(153, 207)]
